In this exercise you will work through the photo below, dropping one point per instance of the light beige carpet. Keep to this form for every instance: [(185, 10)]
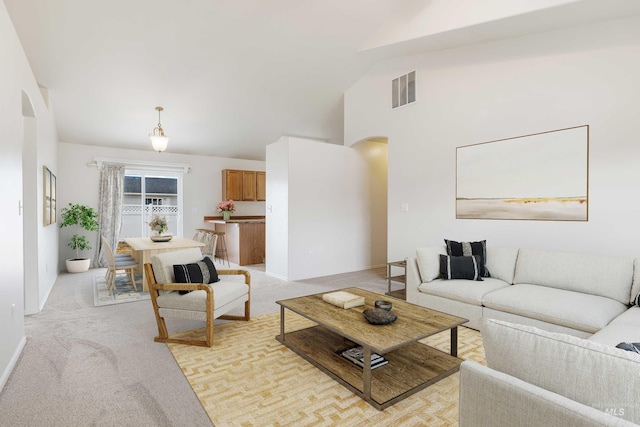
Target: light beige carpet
[(249, 379)]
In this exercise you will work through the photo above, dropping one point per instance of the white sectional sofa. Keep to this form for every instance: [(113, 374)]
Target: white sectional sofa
[(539, 378), (565, 292), (550, 322)]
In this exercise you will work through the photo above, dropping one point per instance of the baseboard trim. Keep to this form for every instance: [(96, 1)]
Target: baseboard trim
[(277, 276), (12, 363)]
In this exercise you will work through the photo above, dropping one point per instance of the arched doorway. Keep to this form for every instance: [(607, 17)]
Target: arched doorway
[(374, 151), (30, 206)]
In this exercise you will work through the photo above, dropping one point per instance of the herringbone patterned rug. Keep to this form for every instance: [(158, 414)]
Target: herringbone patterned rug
[(249, 379)]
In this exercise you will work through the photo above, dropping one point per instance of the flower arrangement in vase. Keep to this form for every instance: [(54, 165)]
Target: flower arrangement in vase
[(159, 226), (226, 208)]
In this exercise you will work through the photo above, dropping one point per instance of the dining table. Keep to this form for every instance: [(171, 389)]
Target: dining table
[(143, 248)]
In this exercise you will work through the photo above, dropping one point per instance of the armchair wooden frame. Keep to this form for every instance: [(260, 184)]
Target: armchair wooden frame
[(155, 288)]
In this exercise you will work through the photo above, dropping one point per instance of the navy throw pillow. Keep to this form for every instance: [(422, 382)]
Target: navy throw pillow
[(460, 267), (467, 249), (198, 272)]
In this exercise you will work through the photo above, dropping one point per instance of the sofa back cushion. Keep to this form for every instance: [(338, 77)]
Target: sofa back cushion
[(635, 288), (163, 263), (600, 376), (605, 276), (501, 262)]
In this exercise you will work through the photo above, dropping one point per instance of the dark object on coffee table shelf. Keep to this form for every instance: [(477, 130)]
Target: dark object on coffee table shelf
[(385, 305), (379, 316)]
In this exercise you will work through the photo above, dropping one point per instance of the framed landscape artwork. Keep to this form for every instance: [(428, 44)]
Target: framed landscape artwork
[(49, 192), (543, 176)]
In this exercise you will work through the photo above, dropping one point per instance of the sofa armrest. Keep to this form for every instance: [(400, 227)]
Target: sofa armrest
[(412, 277), (492, 398)]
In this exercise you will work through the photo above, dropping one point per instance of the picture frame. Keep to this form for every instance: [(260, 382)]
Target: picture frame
[(542, 177), (49, 197)]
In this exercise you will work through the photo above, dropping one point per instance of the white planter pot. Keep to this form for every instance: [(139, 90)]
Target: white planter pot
[(78, 265)]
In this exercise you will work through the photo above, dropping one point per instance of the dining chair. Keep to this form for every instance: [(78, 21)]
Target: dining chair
[(126, 264)]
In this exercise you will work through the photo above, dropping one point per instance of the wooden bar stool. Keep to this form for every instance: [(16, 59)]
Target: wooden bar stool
[(221, 249)]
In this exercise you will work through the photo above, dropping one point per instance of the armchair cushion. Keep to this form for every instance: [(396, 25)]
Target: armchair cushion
[(163, 263), (224, 291)]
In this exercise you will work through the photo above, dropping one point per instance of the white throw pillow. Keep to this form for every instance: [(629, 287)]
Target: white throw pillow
[(428, 260)]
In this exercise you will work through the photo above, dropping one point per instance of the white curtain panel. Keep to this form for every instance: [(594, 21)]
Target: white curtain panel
[(109, 208)]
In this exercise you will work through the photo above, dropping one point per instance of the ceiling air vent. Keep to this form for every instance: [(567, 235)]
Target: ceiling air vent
[(403, 90)]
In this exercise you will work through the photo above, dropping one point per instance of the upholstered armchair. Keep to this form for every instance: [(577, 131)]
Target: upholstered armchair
[(203, 302)]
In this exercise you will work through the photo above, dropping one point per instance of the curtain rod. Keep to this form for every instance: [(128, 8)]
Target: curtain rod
[(141, 164)]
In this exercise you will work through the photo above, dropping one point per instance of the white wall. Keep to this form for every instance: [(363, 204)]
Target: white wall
[(16, 78), (202, 187), (586, 75), (329, 210), (277, 226)]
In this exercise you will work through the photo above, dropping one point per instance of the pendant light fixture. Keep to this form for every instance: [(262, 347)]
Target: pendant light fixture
[(158, 139)]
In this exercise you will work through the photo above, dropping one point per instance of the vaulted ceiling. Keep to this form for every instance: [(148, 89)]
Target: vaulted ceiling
[(235, 75)]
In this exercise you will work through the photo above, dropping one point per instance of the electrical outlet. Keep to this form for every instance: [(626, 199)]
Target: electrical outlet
[(310, 254), (404, 207)]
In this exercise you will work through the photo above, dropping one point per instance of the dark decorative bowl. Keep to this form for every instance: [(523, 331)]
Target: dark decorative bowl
[(385, 305), (378, 316)]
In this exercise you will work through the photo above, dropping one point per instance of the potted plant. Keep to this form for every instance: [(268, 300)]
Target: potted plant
[(82, 218)]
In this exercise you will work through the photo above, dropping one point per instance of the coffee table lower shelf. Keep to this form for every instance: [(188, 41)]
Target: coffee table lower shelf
[(411, 368)]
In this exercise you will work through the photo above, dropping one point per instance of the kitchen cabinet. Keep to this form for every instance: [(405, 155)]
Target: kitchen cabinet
[(232, 181), (248, 185), (261, 186), (240, 185)]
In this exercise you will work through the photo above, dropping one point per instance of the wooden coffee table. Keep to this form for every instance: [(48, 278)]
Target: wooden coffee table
[(412, 365)]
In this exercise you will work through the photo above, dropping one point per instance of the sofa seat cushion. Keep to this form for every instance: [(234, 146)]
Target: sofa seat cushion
[(224, 292), (624, 328), (597, 375), (576, 310), (468, 291)]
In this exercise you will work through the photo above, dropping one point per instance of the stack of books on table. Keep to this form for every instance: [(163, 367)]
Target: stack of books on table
[(356, 355)]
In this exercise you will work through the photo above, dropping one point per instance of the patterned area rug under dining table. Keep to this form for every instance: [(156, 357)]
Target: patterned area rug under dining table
[(123, 292), (249, 379)]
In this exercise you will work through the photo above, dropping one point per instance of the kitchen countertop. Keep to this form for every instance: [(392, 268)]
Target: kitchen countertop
[(235, 220)]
